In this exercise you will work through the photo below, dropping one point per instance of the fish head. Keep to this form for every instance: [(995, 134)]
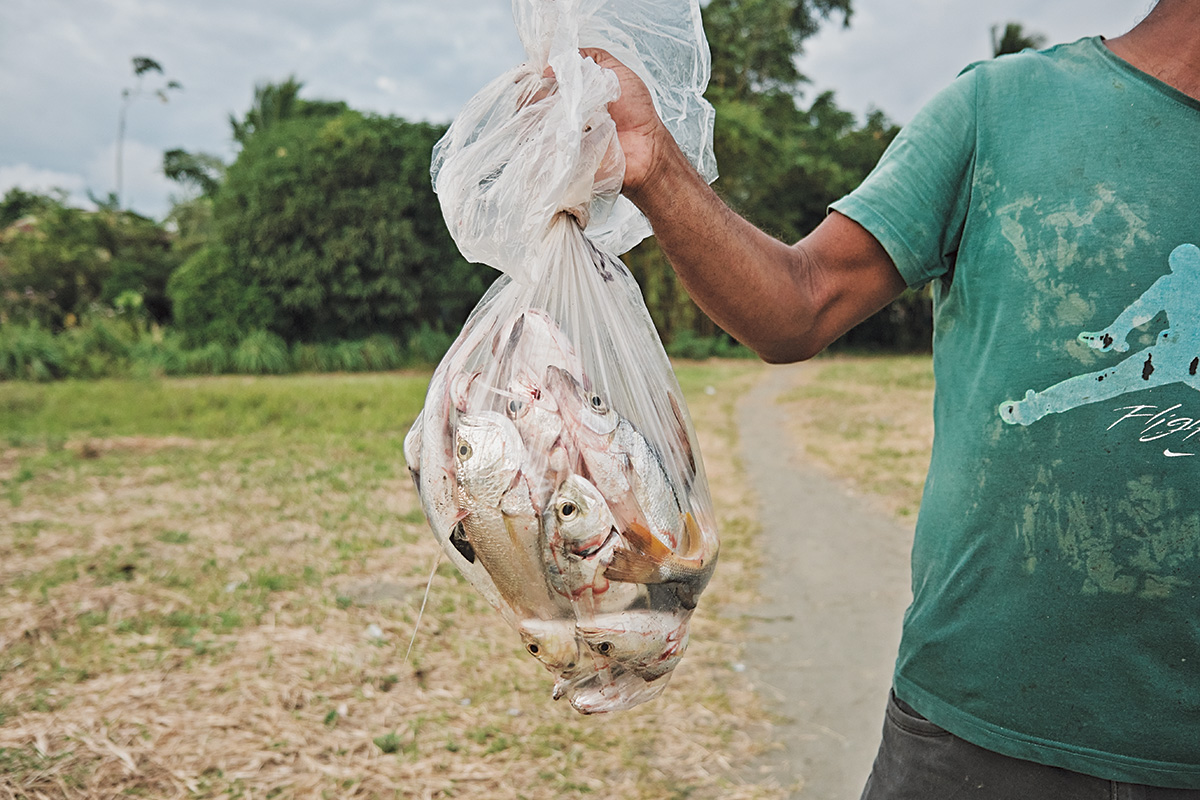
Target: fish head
[(610, 690), (552, 642), (636, 639), (534, 338), (488, 453), (534, 412), (584, 521), (579, 404)]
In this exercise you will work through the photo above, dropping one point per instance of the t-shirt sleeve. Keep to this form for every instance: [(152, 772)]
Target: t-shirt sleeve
[(915, 200)]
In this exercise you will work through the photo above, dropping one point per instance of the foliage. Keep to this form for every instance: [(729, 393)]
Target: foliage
[(278, 102), (781, 162), (30, 352), (200, 170), (61, 261), (262, 353), (1014, 39), (332, 220), (754, 43), (214, 301), (110, 344), (18, 203)]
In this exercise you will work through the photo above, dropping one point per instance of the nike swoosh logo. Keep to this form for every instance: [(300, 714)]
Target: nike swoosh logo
[(1169, 453)]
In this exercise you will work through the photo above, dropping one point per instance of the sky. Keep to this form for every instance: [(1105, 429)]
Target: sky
[(65, 63)]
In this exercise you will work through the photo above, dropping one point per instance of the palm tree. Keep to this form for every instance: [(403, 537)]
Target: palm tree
[(141, 65), (1014, 39)]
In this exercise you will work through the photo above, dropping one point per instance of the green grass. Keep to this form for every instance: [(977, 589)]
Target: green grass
[(211, 408)]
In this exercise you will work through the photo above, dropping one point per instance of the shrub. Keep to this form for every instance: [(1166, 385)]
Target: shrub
[(382, 353), (308, 357), (429, 344), (30, 352), (262, 353), (211, 359)]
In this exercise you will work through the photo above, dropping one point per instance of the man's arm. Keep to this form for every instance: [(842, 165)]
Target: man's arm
[(785, 302)]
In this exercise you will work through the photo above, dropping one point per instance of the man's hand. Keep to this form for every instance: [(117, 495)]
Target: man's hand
[(644, 139)]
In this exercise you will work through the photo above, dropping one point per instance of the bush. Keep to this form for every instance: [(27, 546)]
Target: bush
[(307, 357), (429, 344), (262, 353), (164, 355), (213, 301), (30, 352), (211, 359), (382, 353)]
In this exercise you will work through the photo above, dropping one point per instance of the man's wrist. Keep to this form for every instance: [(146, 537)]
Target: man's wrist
[(668, 167)]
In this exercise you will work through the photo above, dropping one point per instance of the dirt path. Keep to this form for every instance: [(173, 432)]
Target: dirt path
[(836, 578)]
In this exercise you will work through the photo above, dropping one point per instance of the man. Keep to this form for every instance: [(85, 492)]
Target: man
[(1053, 646)]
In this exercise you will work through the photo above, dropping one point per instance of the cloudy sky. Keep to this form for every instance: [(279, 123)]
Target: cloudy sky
[(64, 64)]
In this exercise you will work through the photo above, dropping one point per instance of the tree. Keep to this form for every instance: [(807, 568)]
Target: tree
[(781, 163), (66, 260), (755, 43), (277, 102), (1014, 39), (141, 66), (332, 223), (202, 171)]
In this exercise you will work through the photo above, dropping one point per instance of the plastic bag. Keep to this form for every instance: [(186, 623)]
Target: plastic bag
[(554, 457)]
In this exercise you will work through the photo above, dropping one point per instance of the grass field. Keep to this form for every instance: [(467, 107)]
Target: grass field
[(209, 587)]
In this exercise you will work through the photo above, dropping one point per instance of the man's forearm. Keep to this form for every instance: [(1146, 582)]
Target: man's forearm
[(749, 283)]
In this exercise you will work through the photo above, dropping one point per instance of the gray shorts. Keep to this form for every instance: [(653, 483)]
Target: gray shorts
[(920, 761)]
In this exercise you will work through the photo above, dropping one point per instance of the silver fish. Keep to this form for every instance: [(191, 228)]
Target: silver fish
[(500, 522), (580, 539), (647, 643), (623, 465), (609, 690), (554, 643)]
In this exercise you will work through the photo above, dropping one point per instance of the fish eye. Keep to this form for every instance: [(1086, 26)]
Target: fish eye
[(533, 649), (604, 648), (464, 450), (597, 403), (514, 407), (567, 510)]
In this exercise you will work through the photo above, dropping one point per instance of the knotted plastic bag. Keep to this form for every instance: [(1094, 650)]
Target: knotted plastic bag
[(554, 456)]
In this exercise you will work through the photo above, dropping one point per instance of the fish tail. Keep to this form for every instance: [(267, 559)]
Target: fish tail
[(642, 562), (632, 567)]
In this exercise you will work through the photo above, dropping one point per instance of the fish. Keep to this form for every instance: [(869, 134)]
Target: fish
[(648, 561), (500, 522), (607, 690), (580, 539), (626, 468), (554, 643), (647, 643), (532, 341)]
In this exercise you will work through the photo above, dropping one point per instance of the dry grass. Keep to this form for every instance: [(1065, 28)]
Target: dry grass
[(868, 421), (192, 617)]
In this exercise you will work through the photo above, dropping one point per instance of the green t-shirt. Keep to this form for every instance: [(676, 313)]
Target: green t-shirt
[(1053, 200)]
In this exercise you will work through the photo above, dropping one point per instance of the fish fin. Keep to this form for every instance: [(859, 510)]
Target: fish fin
[(458, 538), (642, 562), (684, 441), (643, 540), (628, 566), (689, 542)]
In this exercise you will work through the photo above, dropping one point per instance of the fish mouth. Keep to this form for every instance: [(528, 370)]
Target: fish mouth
[(588, 552)]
